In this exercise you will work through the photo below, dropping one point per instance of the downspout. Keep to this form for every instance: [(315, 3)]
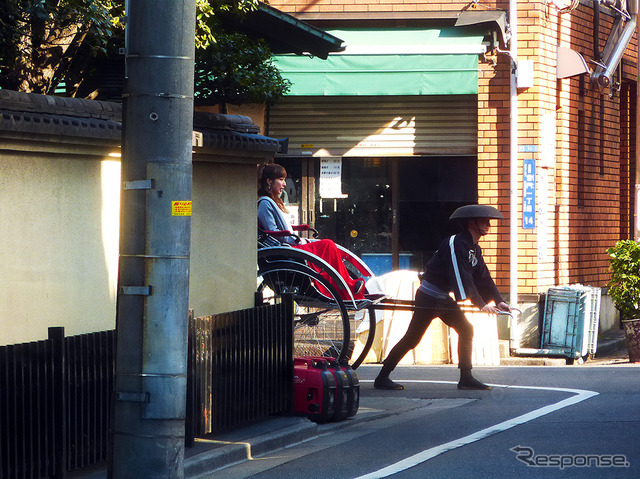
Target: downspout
[(596, 31), (513, 171), (616, 45), (513, 161)]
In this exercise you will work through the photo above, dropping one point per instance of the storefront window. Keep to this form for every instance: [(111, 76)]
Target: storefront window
[(362, 220), (358, 211)]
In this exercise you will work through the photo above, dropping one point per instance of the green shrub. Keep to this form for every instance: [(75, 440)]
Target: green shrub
[(624, 287)]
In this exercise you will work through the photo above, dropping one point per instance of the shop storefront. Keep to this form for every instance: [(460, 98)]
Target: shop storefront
[(388, 207), (383, 140)]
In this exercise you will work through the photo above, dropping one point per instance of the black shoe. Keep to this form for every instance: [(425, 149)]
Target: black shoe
[(472, 383), (386, 383), (358, 287)]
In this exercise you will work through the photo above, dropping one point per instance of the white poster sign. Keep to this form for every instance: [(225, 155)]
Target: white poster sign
[(331, 178)]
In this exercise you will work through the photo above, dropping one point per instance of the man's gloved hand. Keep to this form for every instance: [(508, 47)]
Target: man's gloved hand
[(493, 309), (490, 309), (504, 307)]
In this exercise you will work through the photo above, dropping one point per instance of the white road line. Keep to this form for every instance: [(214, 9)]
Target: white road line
[(579, 395)]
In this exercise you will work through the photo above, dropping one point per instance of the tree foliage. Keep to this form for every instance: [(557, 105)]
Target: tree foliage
[(231, 67), (237, 70), (40, 40), (207, 25), (45, 42)]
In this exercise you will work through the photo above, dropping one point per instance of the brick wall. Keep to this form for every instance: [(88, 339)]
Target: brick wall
[(334, 6), (590, 184)]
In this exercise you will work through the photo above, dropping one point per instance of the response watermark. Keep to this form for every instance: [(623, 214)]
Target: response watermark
[(564, 461)]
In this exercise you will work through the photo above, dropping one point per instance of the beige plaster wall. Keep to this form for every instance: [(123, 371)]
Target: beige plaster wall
[(223, 237), (59, 222), (59, 244)]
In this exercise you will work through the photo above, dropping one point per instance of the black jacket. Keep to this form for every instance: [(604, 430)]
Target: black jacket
[(458, 266)]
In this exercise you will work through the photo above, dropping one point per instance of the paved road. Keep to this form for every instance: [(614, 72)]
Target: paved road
[(536, 422)]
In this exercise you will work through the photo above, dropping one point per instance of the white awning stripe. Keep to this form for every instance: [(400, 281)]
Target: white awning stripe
[(413, 50)]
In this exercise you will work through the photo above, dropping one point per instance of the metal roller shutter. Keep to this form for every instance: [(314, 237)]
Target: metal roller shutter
[(377, 126)]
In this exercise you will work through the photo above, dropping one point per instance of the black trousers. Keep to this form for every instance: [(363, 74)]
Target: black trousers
[(450, 313)]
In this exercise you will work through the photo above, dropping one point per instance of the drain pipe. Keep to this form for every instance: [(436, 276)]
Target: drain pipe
[(596, 31), (514, 332), (616, 45), (513, 162)]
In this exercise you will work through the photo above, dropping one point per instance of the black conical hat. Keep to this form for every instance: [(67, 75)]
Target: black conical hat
[(476, 211)]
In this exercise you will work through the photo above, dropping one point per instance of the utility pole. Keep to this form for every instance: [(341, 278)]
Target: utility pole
[(147, 433)]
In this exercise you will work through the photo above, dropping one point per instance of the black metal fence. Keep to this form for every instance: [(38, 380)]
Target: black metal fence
[(55, 394), (54, 404), (241, 367)]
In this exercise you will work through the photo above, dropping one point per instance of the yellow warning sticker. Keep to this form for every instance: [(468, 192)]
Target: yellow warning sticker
[(181, 208)]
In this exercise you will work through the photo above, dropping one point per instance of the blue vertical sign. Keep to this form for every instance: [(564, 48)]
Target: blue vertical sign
[(529, 194)]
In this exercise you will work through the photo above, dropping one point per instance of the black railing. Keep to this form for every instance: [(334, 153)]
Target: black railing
[(241, 365), (54, 404), (55, 394)]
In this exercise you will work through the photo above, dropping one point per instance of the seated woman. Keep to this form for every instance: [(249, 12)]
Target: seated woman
[(272, 217)]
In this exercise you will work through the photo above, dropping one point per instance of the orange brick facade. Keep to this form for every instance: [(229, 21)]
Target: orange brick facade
[(591, 181)]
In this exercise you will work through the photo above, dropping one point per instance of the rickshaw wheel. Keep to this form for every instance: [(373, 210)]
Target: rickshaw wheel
[(321, 321)]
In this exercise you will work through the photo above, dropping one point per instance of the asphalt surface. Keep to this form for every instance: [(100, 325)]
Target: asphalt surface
[(211, 454)]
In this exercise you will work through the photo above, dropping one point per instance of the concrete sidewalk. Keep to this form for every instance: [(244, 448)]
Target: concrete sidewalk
[(275, 433)]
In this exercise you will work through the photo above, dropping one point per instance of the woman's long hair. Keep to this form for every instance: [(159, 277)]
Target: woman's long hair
[(271, 171)]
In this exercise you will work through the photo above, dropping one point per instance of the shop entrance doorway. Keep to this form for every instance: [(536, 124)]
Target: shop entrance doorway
[(391, 211)]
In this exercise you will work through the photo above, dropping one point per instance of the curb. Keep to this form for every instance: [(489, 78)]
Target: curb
[(532, 361), (239, 451), (208, 462), (608, 347)]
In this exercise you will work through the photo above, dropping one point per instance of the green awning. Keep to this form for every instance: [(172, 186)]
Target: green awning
[(390, 62)]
